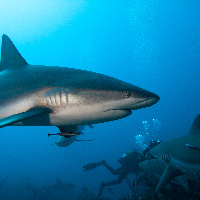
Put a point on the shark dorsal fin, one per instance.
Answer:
(195, 129)
(10, 57)
(58, 180)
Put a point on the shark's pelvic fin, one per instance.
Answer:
(23, 116)
(10, 57)
(170, 172)
(195, 129)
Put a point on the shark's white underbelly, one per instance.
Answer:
(88, 114)
(67, 115)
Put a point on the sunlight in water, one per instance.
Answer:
(39, 18)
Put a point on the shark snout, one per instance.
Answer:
(135, 101)
(152, 99)
(143, 101)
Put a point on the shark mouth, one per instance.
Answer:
(120, 113)
(113, 110)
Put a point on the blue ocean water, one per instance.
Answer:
(151, 44)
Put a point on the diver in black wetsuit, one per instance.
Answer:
(129, 164)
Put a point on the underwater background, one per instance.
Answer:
(154, 44)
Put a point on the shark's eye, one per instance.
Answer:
(127, 94)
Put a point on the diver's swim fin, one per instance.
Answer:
(93, 165)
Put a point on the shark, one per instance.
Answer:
(181, 154)
(58, 186)
(44, 192)
(156, 168)
(37, 95)
(179, 188)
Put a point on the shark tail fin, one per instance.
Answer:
(10, 57)
(195, 129)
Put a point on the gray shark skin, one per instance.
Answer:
(181, 154)
(55, 96)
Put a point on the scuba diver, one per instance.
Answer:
(129, 164)
(146, 151)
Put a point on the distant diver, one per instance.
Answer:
(129, 164)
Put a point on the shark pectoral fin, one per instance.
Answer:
(182, 181)
(170, 172)
(185, 183)
(23, 116)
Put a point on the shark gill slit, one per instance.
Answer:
(166, 157)
(57, 97)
